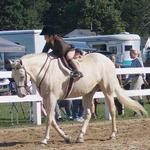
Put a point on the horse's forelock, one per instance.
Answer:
(16, 64)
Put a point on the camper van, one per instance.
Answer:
(30, 39)
(119, 44)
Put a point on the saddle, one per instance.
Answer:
(65, 66)
(78, 55)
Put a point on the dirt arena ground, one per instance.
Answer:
(132, 135)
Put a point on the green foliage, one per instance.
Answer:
(103, 16)
(136, 14)
(24, 108)
(21, 14)
(8, 114)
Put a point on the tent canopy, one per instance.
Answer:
(9, 46)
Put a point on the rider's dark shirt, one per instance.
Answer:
(46, 48)
(60, 47)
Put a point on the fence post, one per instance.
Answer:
(36, 107)
(37, 113)
(107, 114)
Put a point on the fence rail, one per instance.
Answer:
(36, 99)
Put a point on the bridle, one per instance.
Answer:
(25, 85)
(26, 73)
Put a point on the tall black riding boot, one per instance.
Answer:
(75, 73)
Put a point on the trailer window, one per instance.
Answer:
(1, 61)
(128, 47)
(101, 47)
(113, 49)
(148, 55)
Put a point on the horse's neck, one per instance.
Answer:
(34, 65)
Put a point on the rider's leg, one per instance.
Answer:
(72, 62)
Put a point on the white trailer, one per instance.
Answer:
(120, 44)
(31, 39)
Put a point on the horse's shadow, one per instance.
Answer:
(104, 139)
(10, 144)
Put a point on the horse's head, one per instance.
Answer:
(20, 77)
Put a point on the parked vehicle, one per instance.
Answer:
(4, 87)
(119, 44)
(31, 39)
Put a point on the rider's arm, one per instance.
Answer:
(46, 48)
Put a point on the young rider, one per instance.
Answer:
(60, 48)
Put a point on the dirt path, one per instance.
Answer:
(132, 135)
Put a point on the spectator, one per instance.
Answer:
(77, 110)
(147, 64)
(136, 80)
(117, 103)
(67, 104)
(95, 102)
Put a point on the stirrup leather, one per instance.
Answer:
(76, 74)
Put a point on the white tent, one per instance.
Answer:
(8, 46)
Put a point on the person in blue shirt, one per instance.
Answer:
(136, 80)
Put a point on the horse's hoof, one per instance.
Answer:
(68, 139)
(44, 142)
(113, 136)
(80, 140)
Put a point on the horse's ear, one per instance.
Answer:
(10, 61)
(20, 61)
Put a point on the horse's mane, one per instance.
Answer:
(32, 55)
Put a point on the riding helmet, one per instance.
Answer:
(48, 30)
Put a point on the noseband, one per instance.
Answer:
(25, 81)
(40, 81)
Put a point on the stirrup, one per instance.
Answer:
(76, 74)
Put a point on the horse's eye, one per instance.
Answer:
(21, 77)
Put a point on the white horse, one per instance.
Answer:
(51, 82)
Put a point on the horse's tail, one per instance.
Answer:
(128, 102)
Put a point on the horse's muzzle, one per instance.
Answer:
(21, 95)
(21, 92)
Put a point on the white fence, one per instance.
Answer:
(37, 99)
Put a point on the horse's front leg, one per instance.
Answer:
(67, 138)
(87, 104)
(50, 108)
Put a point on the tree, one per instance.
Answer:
(21, 14)
(11, 14)
(105, 17)
(136, 15)
(101, 14)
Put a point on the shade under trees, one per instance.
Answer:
(102, 16)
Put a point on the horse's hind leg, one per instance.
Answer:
(87, 104)
(112, 109)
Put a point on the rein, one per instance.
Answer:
(42, 68)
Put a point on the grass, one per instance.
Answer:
(6, 110)
(15, 114)
(127, 115)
